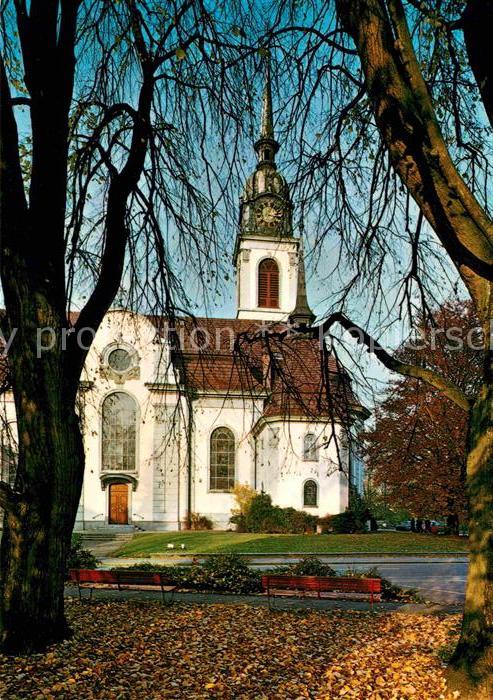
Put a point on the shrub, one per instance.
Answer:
(240, 521)
(343, 523)
(310, 566)
(299, 522)
(389, 591)
(79, 557)
(200, 522)
(263, 516)
(259, 514)
(228, 572)
(353, 520)
(243, 495)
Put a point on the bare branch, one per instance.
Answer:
(448, 388)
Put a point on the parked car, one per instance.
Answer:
(404, 526)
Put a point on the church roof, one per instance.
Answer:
(290, 372)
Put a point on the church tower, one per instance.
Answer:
(270, 272)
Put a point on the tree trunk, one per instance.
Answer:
(37, 532)
(476, 634)
(453, 524)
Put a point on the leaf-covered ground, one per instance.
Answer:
(147, 651)
(210, 542)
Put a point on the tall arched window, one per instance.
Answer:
(268, 284)
(119, 418)
(310, 449)
(310, 494)
(222, 471)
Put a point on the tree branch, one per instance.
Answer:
(122, 184)
(477, 22)
(407, 121)
(448, 388)
(24, 101)
(13, 205)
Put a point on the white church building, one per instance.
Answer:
(175, 414)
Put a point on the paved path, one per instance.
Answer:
(440, 579)
(261, 601)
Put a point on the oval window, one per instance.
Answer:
(119, 360)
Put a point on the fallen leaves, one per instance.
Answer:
(141, 650)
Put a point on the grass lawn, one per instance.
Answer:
(138, 650)
(212, 542)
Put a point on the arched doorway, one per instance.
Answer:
(118, 504)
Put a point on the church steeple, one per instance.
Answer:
(266, 147)
(266, 205)
(266, 251)
(302, 315)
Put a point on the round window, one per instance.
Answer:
(119, 360)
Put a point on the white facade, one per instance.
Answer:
(171, 449)
(172, 466)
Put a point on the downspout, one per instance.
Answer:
(255, 462)
(190, 398)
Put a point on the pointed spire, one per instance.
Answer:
(267, 146)
(301, 315)
(267, 124)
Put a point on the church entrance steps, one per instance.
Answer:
(104, 543)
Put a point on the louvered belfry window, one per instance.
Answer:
(268, 284)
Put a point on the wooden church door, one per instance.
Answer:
(118, 514)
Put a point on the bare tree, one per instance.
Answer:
(390, 106)
(107, 111)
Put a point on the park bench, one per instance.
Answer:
(122, 580)
(322, 587)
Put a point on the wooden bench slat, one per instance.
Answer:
(122, 580)
(322, 586)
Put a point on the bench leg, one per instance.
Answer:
(170, 599)
(81, 597)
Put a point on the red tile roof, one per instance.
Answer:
(292, 372)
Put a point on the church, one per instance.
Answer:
(175, 412)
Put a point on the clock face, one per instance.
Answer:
(269, 213)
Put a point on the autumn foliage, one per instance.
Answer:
(416, 451)
(142, 650)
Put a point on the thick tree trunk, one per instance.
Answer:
(476, 635)
(37, 533)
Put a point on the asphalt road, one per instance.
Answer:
(440, 579)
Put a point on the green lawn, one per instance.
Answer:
(211, 542)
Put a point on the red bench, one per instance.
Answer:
(347, 586)
(121, 580)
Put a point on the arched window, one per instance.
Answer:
(268, 284)
(119, 418)
(310, 494)
(222, 472)
(310, 449)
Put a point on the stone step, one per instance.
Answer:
(95, 537)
